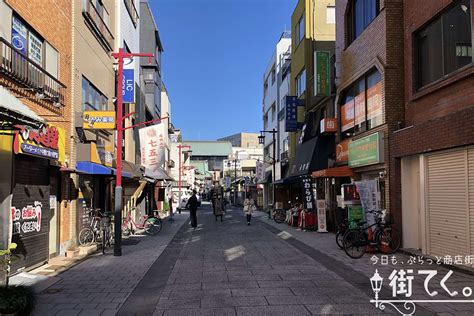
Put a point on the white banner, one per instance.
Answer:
(369, 198)
(227, 182)
(152, 146)
(260, 172)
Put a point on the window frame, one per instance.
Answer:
(299, 36)
(298, 81)
(92, 92)
(351, 20)
(416, 75)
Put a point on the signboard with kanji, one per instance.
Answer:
(308, 194)
(152, 146)
(46, 142)
(322, 69)
(291, 110)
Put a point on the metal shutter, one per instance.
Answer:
(447, 203)
(470, 164)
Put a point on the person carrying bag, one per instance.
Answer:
(249, 208)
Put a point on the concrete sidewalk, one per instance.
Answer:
(100, 284)
(326, 243)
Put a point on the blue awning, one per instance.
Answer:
(93, 168)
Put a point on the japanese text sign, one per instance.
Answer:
(323, 73)
(47, 142)
(128, 81)
(152, 146)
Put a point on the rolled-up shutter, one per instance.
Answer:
(470, 167)
(447, 203)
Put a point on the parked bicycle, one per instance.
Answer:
(91, 234)
(341, 231)
(150, 224)
(106, 229)
(383, 237)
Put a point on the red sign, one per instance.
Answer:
(347, 116)
(342, 151)
(48, 136)
(328, 125)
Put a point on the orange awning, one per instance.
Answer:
(336, 172)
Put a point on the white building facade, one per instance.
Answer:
(276, 87)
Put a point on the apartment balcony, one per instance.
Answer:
(29, 75)
(97, 25)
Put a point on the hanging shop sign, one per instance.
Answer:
(260, 170)
(322, 223)
(227, 182)
(366, 151)
(342, 151)
(46, 142)
(98, 120)
(328, 125)
(128, 81)
(27, 219)
(152, 145)
(308, 197)
(322, 69)
(291, 119)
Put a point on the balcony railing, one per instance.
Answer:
(97, 24)
(28, 74)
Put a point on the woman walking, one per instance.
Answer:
(249, 207)
(219, 209)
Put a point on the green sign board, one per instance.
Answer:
(322, 70)
(355, 214)
(365, 151)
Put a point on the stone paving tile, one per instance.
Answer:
(180, 295)
(261, 292)
(300, 284)
(230, 285)
(92, 312)
(293, 310)
(200, 312)
(67, 312)
(233, 301)
(299, 300)
(258, 277)
(168, 303)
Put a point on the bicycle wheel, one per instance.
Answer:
(152, 225)
(340, 238)
(126, 228)
(279, 217)
(389, 240)
(104, 239)
(86, 237)
(355, 243)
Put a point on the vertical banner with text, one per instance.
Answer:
(152, 146)
(128, 82)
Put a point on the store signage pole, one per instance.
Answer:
(120, 56)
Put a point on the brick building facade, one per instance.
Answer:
(432, 158)
(35, 80)
(369, 80)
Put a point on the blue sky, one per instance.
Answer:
(215, 54)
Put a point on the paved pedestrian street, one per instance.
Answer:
(230, 268)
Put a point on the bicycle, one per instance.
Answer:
(150, 224)
(279, 215)
(341, 231)
(91, 234)
(106, 229)
(384, 237)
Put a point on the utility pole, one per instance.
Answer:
(261, 140)
(180, 170)
(120, 56)
(235, 179)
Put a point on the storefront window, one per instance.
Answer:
(361, 106)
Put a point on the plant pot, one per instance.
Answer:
(72, 253)
(16, 300)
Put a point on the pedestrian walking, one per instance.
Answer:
(249, 208)
(219, 209)
(192, 205)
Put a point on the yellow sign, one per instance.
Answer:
(104, 155)
(46, 142)
(98, 120)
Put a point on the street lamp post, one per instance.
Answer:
(235, 179)
(261, 140)
(180, 170)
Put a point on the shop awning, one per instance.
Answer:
(157, 174)
(287, 180)
(336, 172)
(12, 107)
(93, 168)
(132, 169)
(311, 155)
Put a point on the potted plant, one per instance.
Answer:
(72, 251)
(16, 299)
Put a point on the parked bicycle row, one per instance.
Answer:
(100, 228)
(355, 237)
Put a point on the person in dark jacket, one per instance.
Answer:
(192, 205)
